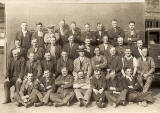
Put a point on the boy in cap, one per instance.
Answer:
(82, 89)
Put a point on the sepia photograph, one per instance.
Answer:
(79, 56)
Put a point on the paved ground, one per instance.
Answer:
(132, 108)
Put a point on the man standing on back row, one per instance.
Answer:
(24, 36)
(115, 32)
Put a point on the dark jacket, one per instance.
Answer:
(15, 68)
(98, 83)
(36, 68)
(99, 38)
(72, 52)
(39, 39)
(39, 54)
(22, 53)
(25, 41)
(61, 63)
(49, 65)
(89, 35)
(58, 50)
(114, 35)
(76, 35)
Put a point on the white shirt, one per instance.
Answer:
(53, 50)
(144, 58)
(105, 46)
(24, 32)
(129, 77)
(140, 51)
(100, 33)
(81, 59)
(135, 62)
(40, 33)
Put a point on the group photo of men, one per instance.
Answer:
(60, 67)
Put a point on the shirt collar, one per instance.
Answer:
(128, 57)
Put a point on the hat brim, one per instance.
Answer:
(50, 27)
(80, 50)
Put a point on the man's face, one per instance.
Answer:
(34, 43)
(131, 26)
(47, 56)
(64, 55)
(128, 72)
(47, 73)
(50, 30)
(87, 42)
(24, 26)
(128, 52)
(52, 40)
(64, 72)
(97, 74)
(39, 27)
(30, 77)
(114, 24)
(31, 57)
(144, 52)
(61, 23)
(139, 43)
(73, 26)
(81, 53)
(17, 43)
(112, 51)
(97, 51)
(87, 28)
(99, 27)
(105, 39)
(71, 39)
(120, 41)
(80, 75)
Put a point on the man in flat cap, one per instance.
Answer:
(82, 63)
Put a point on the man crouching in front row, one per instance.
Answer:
(28, 93)
(82, 89)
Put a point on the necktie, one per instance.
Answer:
(81, 64)
(31, 67)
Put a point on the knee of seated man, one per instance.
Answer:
(150, 78)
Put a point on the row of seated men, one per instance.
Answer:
(77, 74)
(57, 72)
